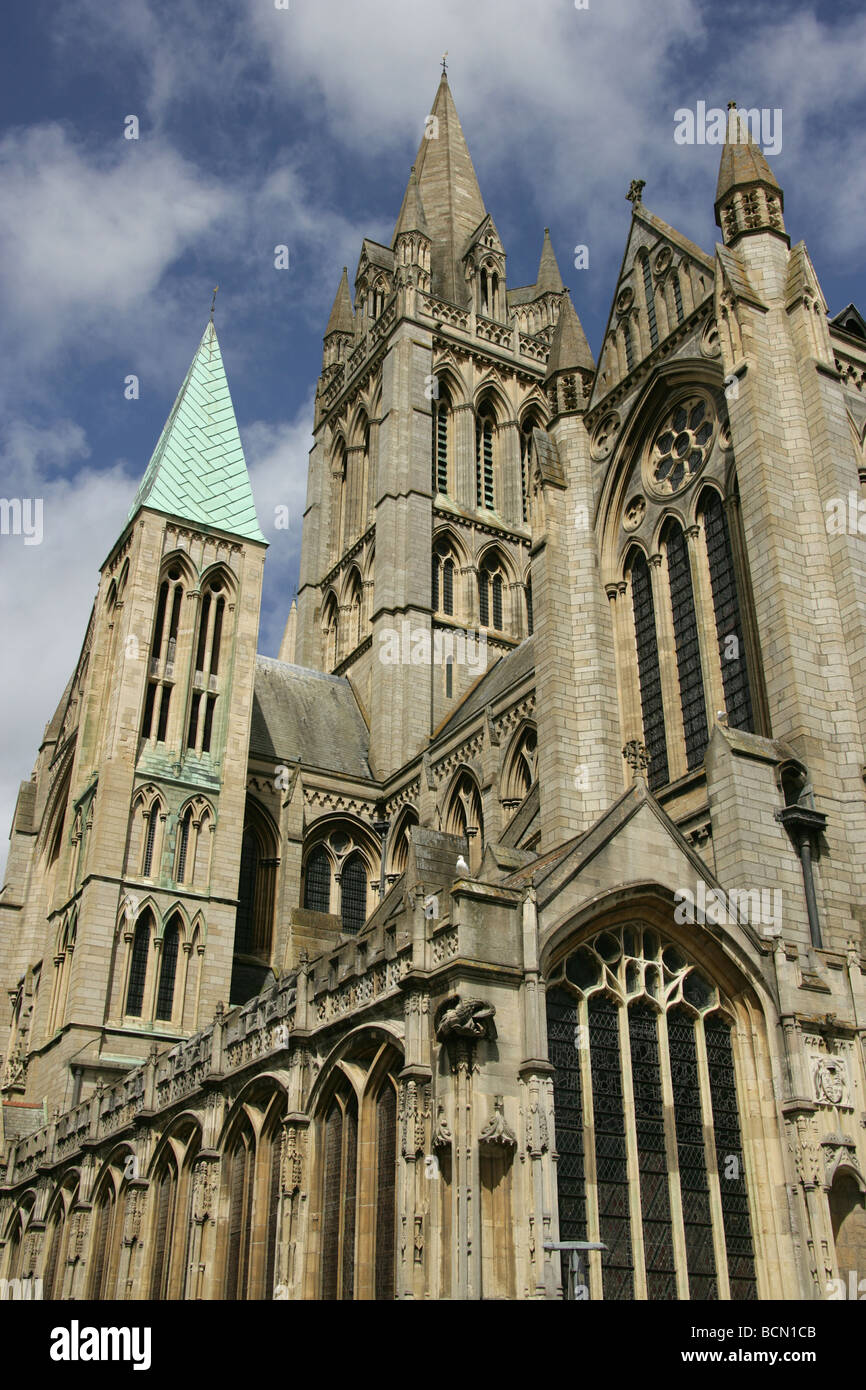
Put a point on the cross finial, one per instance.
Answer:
(445, 62)
(213, 302)
(635, 190)
(637, 757)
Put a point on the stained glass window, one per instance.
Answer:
(732, 648)
(610, 1150)
(386, 1171)
(694, 1188)
(650, 302)
(729, 1160)
(167, 971)
(607, 996)
(353, 881)
(687, 647)
(317, 885)
(661, 1275)
(649, 674)
(563, 1038)
(138, 967)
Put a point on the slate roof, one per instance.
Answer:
(307, 715)
(198, 471)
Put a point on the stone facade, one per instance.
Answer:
(520, 904)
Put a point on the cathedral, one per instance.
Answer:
(505, 937)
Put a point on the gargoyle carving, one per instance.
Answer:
(470, 1018)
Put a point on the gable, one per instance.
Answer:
(680, 277)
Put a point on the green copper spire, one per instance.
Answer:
(197, 471)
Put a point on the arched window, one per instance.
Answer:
(165, 1205)
(183, 839)
(521, 768)
(163, 652)
(649, 300)
(653, 1056)
(649, 673)
(400, 850)
(353, 894)
(339, 1196)
(208, 650)
(272, 1234)
(678, 298)
(62, 973)
(464, 817)
(147, 820)
(628, 344)
(386, 1189)
(255, 913)
(527, 459)
(317, 881)
(138, 965)
(491, 586)
(485, 431)
(168, 970)
(726, 605)
(241, 1166)
(441, 412)
(530, 617)
(443, 565)
(355, 599)
(687, 644)
(331, 632)
(102, 1242)
(339, 482)
(52, 1286)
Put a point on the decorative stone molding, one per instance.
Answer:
(496, 1132)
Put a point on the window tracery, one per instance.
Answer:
(637, 1028)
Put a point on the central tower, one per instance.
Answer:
(415, 565)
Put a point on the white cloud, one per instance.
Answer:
(86, 238)
(277, 456)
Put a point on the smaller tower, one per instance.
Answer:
(748, 197)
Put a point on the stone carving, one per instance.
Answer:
(804, 1146)
(636, 755)
(496, 1132)
(634, 513)
(537, 1132)
(291, 1161)
(414, 1113)
(133, 1215)
(830, 1078)
(203, 1191)
(470, 1018)
(605, 434)
(442, 1136)
(710, 343)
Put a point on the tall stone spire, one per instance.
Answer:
(449, 193)
(342, 318)
(748, 196)
(548, 278)
(197, 471)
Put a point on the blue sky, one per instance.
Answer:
(261, 126)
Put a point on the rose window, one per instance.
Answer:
(682, 446)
